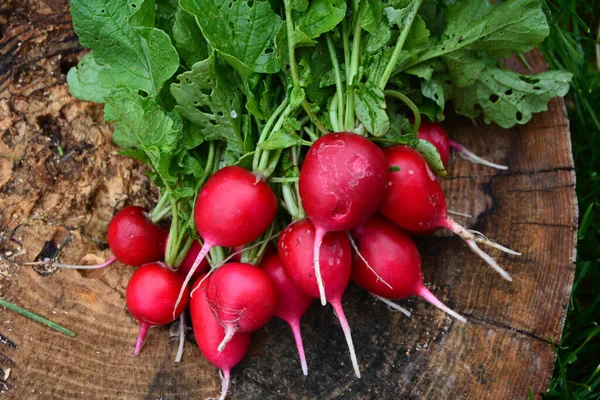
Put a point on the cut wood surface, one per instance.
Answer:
(61, 180)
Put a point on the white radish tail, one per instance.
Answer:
(337, 307)
(470, 156)
(144, 326)
(391, 304)
(203, 252)
(319, 234)
(295, 326)
(430, 297)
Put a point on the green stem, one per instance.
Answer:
(217, 255)
(264, 158)
(349, 123)
(313, 136)
(264, 134)
(208, 167)
(159, 216)
(294, 66)
(171, 253)
(290, 201)
(338, 82)
(346, 40)
(158, 212)
(277, 179)
(36, 317)
(333, 113)
(272, 164)
(389, 68)
(183, 251)
(410, 104)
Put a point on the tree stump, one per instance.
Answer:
(61, 180)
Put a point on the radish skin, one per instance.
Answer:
(134, 239)
(151, 295)
(395, 257)
(414, 201)
(233, 208)
(293, 302)
(341, 184)
(295, 249)
(242, 297)
(209, 333)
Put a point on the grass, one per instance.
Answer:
(573, 45)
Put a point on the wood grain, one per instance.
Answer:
(49, 197)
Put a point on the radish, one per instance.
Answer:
(151, 295)
(415, 202)
(233, 208)
(242, 297)
(341, 184)
(188, 261)
(209, 333)
(436, 135)
(389, 255)
(295, 248)
(293, 302)
(134, 239)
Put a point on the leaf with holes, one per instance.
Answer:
(370, 109)
(508, 98)
(139, 58)
(243, 32)
(209, 98)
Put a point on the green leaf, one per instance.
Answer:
(464, 67)
(514, 26)
(143, 125)
(296, 97)
(242, 31)
(281, 139)
(322, 16)
(372, 17)
(139, 58)
(370, 109)
(429, 151)
(189, 41)
(379, 38)
(299, 5)
(508, 98)
(434, 90)
(83, 80)
(165, 15)
(145, 14)
(207, 96)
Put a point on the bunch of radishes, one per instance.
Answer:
(361, 204)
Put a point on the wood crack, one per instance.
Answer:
(505, 327)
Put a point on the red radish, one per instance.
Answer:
(151, 295)
(293, 302)
(209, 333)
(392, 257)
(436, 135)
(233, 208)
(342, 182)
(295, 248)
(242, 297)
(134, 239)
(415, 202)
(237, 253)
(188, 261)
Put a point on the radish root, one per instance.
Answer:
(229, 332)
(430, 297)
(379, 278)
(466, 235)
(203, 252)
(337, 307)
(49, 262)
(391, 304)
(319, 234)
(225, 384)
(295, 325)
(489, 260)
(181, 338)
(144, 326)
(474, 158)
